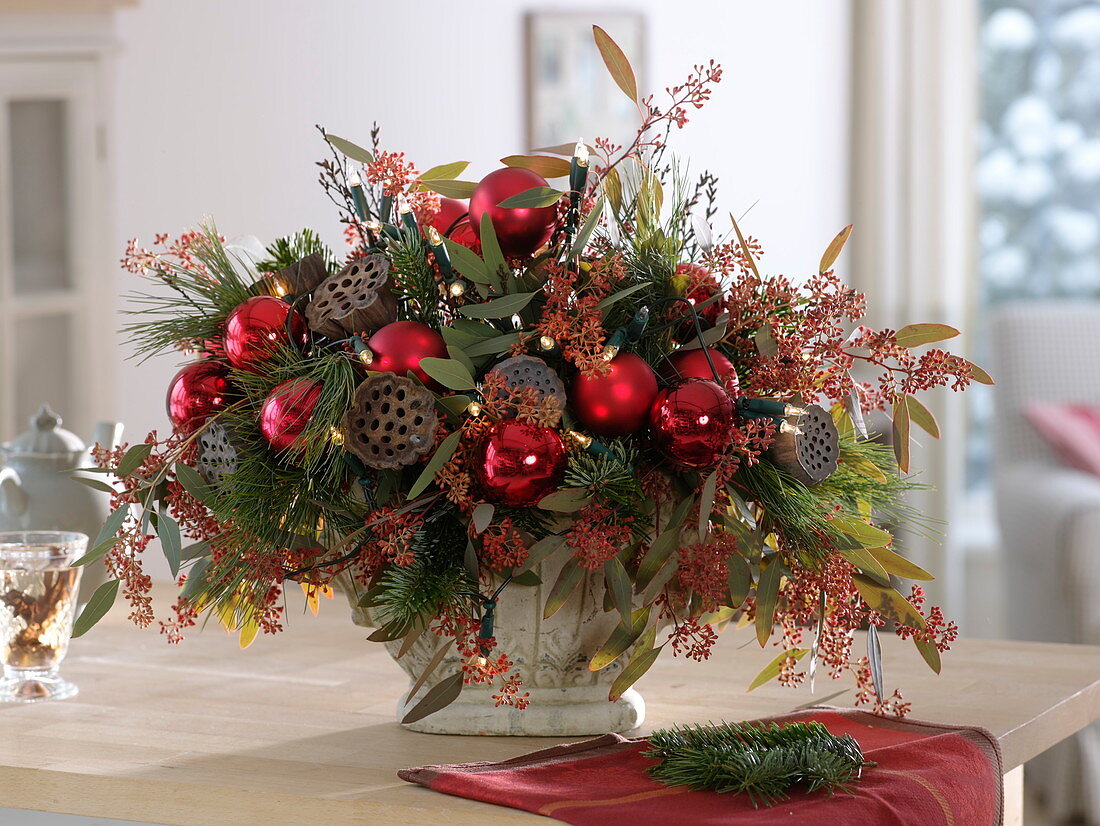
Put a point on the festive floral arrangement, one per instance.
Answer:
(588, 369)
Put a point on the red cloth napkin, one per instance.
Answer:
(927, 774)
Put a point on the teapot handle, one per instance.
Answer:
(13, 499)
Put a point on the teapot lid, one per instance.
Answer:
(46, 436)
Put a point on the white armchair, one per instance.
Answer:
(1049, 515)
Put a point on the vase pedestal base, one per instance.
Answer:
(554, 712)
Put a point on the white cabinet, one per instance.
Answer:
(57, 271)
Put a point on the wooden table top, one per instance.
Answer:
(299, 727)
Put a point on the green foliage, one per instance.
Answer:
(613, 478)
(436, 581)
(290, 249)
(761, 761)
(414, 277)
(200, 297)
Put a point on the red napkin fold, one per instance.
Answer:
(927, 774)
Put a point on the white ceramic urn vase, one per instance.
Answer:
(551, 655)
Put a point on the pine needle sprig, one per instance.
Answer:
(763, 762)
(290, 249)
(415, 278)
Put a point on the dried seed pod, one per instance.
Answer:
(529, 371)
(296, 280)
(356, 299)
(216, 456)
(391, 422)
(811, 453)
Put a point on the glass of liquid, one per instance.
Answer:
(38, 593)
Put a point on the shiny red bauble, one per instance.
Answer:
(518, 463)
(617, 402)
(196, 393)
(287, 410)
(692, 423)
(255, 327)
(398, 348)
(453, 221)
(519, 231)
(692, 364)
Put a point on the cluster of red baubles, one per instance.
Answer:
(690, 421)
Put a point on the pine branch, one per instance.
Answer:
(417, 285)
(761, 761)
(290, 249)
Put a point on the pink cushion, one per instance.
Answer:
(1073, 430)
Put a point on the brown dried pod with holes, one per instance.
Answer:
(296, 280)
(357, 299)
(216, 455)
(810, 455)
(529, 371)
(392, 421)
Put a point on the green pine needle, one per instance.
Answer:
(758, 760)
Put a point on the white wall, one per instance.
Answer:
(216, 102)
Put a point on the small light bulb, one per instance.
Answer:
(792, 410)
(366, 357)
(433, 236)
(278, 287)
(580, 152)
(456, 288)
(336, 435)
(353, 179)
(482, 662)
(374, 225)
(787, 427)
(403, 207)
(547, 343)
(474, 409)
(517, 322)
(581, 439)
(609, 352)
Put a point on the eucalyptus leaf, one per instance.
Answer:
(442, 455)
(829, 257)
(451, 189)
(432, 665)
(874, 659)
(540, 551)
(772, 669)
(502, 307)
(587, 228)
(351, 150)
(740, 579)
(568, 579)
(540, 164)
(444, 172)
(568, 500)
(439, 696)
(98, 605)
(482, 516)
(192, 482)
(624, 636)
(639, 664)
(767, 595)
(914, 335)
(493, 346)
(95, 484)
(617, 63)
(451, 373)
(171, 542)
(621, 294)
(468, 263)
(619, 586)
(534, 198)
(133, 458)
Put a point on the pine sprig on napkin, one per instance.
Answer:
(761, 761)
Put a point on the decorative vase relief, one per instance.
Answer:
(551, 655)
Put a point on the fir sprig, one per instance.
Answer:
(761, 761)
(291, 249)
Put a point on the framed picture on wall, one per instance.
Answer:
(569, 92)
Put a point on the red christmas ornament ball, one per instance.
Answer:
(287, 410)
(617, 402)
(692, 364)
(257, 326)
(453, 221)
(196, 393)
(692, 423)
(399, 346)
(519, 463)
(520, 231)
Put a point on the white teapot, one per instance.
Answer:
(37, 491)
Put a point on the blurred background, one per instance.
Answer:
(959, 136)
